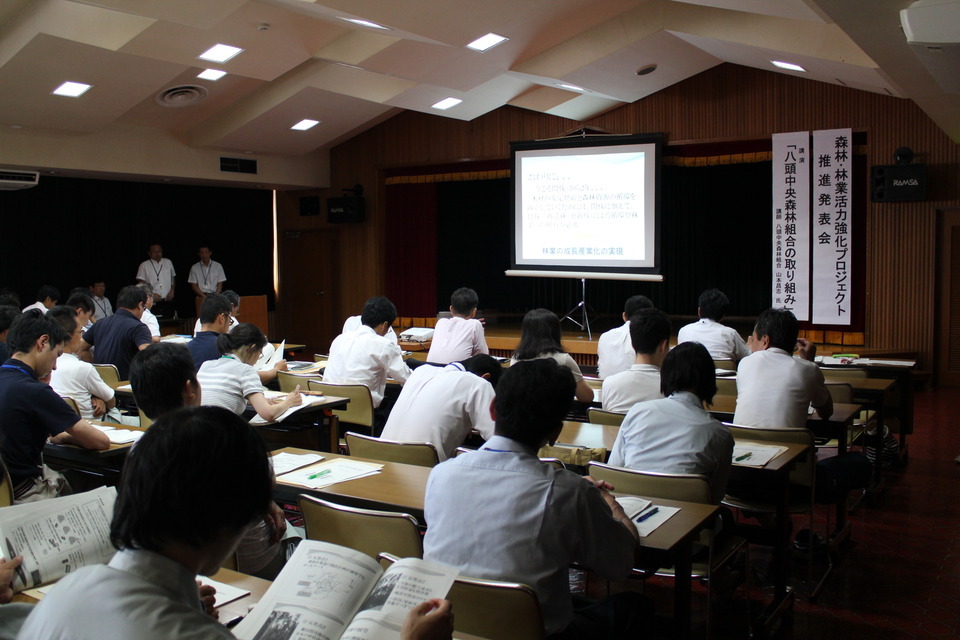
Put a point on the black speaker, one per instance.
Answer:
(898, 182)
(310, 206)
(346, 209)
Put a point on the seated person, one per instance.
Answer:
(8, 313)
(354, 322)
(461, 335)
(234, 301)
(774, 388)
(81, 301)
(214, 319)
(501, 513)
(31, 412)
(614, 349)
(117, 338)
(650, 336)
(723, 342)
(231, 382)
(98, 291)
(152, 322)
(365, 356)
(47, 298)
(441, 405)
(540, 338)
(674, 434)
(73, 378)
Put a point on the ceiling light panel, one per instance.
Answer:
(446, 103)
(71, 89)
(305, 124)
(487, 42)
(220, 53)
(211, 74)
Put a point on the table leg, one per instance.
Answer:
(682, 587)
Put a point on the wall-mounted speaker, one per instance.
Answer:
(898, 182)
(346, 209)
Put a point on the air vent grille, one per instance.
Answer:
(238, 165)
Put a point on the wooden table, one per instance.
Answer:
(588, 434)
(328, 420)
(107, 463)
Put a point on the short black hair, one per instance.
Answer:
(243, 335)
(212, 306)
(713, 304)
(483, 363)
(378, 310)
(689, 367)
(464, 300)
(27, 329)
(131, 296)
(10, 298)
(648, 328)
(157, 374)
(81, 300)
(539, 335)
(66, 316)
(157, 502)
(232, 296)
(8, 313)
(147, 289)
(782, 327)
(533, 397)
(48, 291)
(635, 304)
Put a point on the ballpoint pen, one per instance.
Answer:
(318, 474)
(743, 457)
(649, 513)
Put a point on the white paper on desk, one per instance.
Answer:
(286, 462)
(119, 436)
(888, 363)
(725, 373)
(650, 525)
(125, 387)
(341, 470)
(760, 454)
(270, 360)
(305, 401)
(225, 592)
(176, 339)
(632, 505)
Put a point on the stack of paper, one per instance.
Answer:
(119, 436)
(645, 515)
(287, 462)
(277, 396)
(331, 472)
(753, 454)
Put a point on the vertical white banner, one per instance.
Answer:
(832, 226)
(791, 223)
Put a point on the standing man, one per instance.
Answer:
(206, 276)
(98, 291)
(119, 337)
(159, 273)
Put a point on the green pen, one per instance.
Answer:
(318, 474)
(743, 457)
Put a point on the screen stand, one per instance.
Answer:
(584, 322)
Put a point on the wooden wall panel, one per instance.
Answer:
(727, 102)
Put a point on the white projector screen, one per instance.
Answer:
(587, 207)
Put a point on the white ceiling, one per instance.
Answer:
(301, 60)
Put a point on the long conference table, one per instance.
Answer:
(401, 487)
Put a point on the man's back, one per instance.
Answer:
(363, 357)
(639, 383)
(615, 351)
(456, 339)
(723, 342)
(117, 339)
(774, 389)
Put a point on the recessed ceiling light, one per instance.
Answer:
(71, 89)
(446, 103)
(487, 42)
(211, 74)
(305, 124)
(787, 65)
(219, 53)
(571, 87)
(366, 23)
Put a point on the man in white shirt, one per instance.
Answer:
(461, 335)
(723, 342)
(159, 273)
(441, 405)
(614, 350)
(148, 318)
(353, 323)
(650, 338)
(47, 298)
(364, 356)
(206, 276)
(103, 308)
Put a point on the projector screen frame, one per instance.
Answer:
(593, 272)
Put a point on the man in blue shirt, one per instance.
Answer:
(214, 320)
(117, 338)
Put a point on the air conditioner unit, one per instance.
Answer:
(932, 28)
(11, 179)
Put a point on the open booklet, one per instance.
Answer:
(306, 399)
(327, 592)
(270, 356)
(57, 537)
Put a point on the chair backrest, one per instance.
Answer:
(72, 404)
(360, 409)
(422, 454)
(803, 473)
(599, 416)
(727, 387)
(725, 363)
(688, 487)
(840, 392)
(370, 532)
(6, 487)
(492, 609)
(289, 381)
(144, 420)
(109, 374)
(844, 374)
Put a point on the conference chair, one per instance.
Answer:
(599, 416)
(359, 411)
(422, 454)
(725, 363)
(109, 374)
(491, 609)
(72, 404)
(289, 381)
(6, 487)
(368, 531)
(144, 420)
(719, 550)
(727, 387)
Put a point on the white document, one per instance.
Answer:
(270, 356)
(176, 339)
(331, 472)
(323, 587)
(57, 537)
(128, 388)
(225, 592)
(651, 523)
(286, 462)
(632, 505)
(119, 436)
(752, 454)
(305, 401)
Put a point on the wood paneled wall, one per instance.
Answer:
(724, 103)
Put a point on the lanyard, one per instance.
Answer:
(207, 273)
(20, 369)
(103, 307)
(156, 270)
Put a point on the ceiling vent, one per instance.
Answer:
(238, 165)
(11, 180)
(183, 96)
